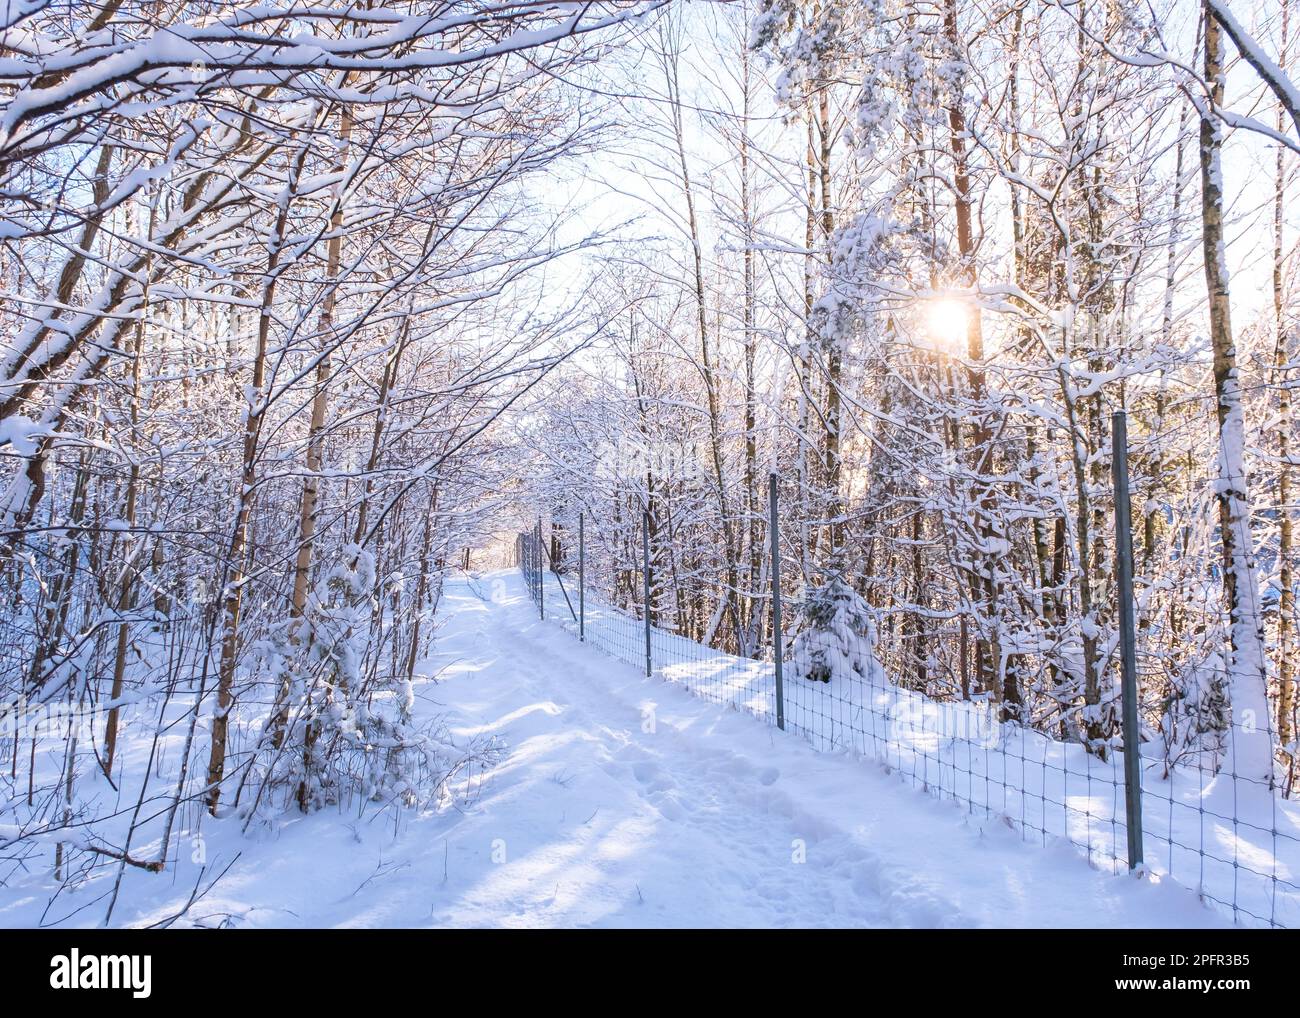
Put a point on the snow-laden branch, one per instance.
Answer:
(1270, 73)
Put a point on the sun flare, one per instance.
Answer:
(946, 322)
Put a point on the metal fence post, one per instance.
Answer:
(645, 575)
(541, 610)
(777, 648)
(582, 576)
(1127, 637)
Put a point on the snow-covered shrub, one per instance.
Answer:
(345, 731)
(837, 637)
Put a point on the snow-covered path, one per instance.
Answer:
(625, 801)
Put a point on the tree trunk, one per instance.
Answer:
(236, 577)
(1251, 749)
(316, 437)
(1286, 628)
(126, 598)
(983, 579)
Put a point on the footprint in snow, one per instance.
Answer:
(645, 771)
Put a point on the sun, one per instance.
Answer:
(946, 322)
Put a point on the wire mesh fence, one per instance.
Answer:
(1206, 823)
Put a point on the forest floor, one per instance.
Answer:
(625, 801)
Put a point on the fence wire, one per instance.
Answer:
(1223, 833)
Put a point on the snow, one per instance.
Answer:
(626, 801)
(1225, 836)
(20, 434)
